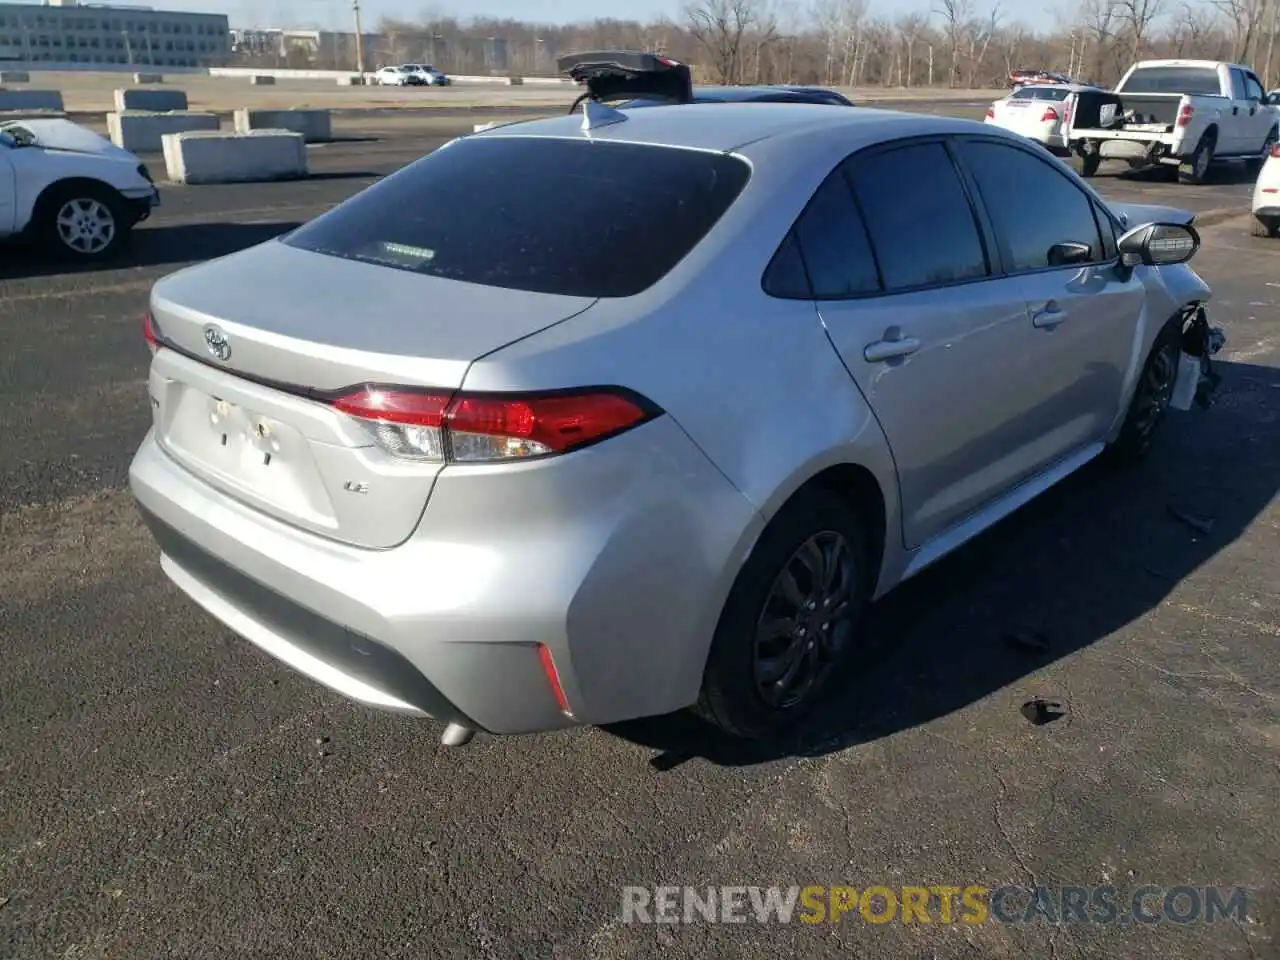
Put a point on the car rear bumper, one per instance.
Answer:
(1267, 211)
(619, 570)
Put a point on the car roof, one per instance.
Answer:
(732, 94)
(735, 125)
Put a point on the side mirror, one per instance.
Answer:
(1066, 254)
(1158, 244)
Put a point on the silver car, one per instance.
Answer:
(610, 415)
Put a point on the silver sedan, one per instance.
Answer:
(609, 415)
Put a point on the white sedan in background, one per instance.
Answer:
(72, 191)
(1266, 197)
(1036, 111)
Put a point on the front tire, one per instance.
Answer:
(1150, 401)
(1266, 227)
(82, 223)
(791, 619)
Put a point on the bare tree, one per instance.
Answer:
(1137, 16)
(957, 16)
(721, 28)
(1245, 17)
(910, 28)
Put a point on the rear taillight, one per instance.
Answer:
(480, 428)
(991, 113)
(1185, 114)
(1049, 114)
(149, 332)
(1275, 150)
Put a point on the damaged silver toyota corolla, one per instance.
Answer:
(608, 415)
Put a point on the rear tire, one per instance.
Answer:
(1196, 169)
(1265, 227)
(791, 619)
(82, 222)
(1089, 164)
(1150, 400)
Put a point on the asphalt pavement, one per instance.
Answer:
(167, 791)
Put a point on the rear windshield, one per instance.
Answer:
(1041, 93)
(575, 217)
(1198, 81)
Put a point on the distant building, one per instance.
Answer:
(64, 31)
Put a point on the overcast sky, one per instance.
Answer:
(336, 14)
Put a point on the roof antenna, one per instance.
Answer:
(596, 114)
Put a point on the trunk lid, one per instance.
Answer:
(261, 339)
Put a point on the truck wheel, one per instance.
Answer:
(1195, 170)
(84, 222)
(1254, 164)
(1266, 227)
(1089, 164)
(791, 621)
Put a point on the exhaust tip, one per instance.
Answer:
(456, 735)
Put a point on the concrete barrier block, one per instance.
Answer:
(313, 124)
(196, 158)
(152, 101)
(7, 115)
(355, 80)
(262, 80)
(148, 78)
(14, 76)
(142, 132)
(31, 100)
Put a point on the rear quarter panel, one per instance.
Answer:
(752, 380)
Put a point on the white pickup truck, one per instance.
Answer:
(1184, 113)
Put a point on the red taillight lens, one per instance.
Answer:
(1275, 150)
(990, 113)
(553, 679)
(1185, 114)
(149, 332)
(479, 428)
(1049, 114)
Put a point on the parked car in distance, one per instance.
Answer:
(70, 190)
(1184, 113)
(1266, 197)
(1036, 112)
(1019, 78)
(765, 93)
(629, 79)
(428, 74)
(654, 434)
(397, 77)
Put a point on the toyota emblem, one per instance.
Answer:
(217, 343)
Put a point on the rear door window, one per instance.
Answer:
(572, 217)
(918, 215)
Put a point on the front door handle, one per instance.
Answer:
(1048, 316)
(883, 350)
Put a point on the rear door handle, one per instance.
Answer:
(883, 350)
(1048, 316)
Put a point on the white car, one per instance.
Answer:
(72, 191)
(1266, 197)
(1036, 111)
(428, 74)
(393, 77)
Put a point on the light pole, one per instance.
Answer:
(355, 6)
